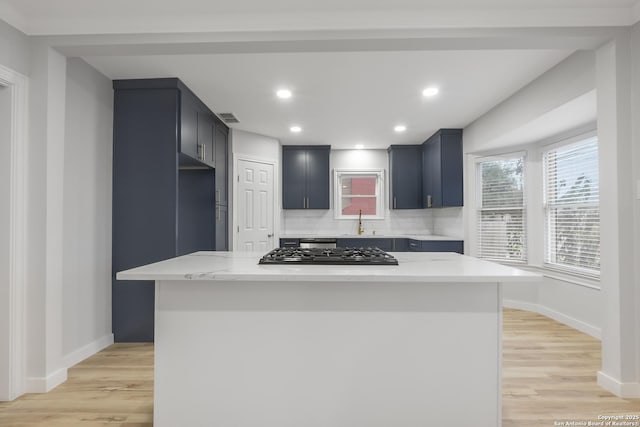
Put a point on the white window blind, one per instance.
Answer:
(572, 207)
(501, 209)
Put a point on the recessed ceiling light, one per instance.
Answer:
(283, 93)
(400, 128)
(295, 129)
(430, 91)
(359, 146)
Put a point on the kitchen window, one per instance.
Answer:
(572, 207)
(501, 210)
(358, 191)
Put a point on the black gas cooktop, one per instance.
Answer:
(333, 256)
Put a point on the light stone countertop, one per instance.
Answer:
(370, 236)
(422, 267)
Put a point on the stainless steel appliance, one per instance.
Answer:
(318, 243)
(331, 256)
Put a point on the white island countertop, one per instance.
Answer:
(367, 235)
(435, 267)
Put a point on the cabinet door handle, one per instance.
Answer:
(204, 152)
(270, 235)
(217, 213)
(217, 196)
(200, 151)
(304, 203)
(429, 201)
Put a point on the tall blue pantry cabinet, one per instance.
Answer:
(169, 189)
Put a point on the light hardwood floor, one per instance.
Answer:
(549, 374)
(112, 388)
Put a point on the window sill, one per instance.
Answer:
(355, 218)
(564, 276)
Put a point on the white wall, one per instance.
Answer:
(322, 223)
(68, 224)
(635, 108)
(5, 214)
(256, 146)
(14, 55)
(14, 49)
(617, 218)
(87, 212)
(13, 147)
(45, 218)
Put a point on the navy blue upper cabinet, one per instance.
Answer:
(188, 141)
(405, 170)
(205, 150)
(305, 176)
(294, 177)
(442, 169)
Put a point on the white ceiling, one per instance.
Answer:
(346, 98)
(341, 98)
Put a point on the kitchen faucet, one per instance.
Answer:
(360, 227)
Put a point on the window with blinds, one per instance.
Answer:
(572, 207)
(501, 209)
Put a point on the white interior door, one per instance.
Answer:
(255, 206)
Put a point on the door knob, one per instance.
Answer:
(269, 235)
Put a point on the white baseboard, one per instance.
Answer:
(88, 350)
(555, 315)
(46, 384)
(620, 389)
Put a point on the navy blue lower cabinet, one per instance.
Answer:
(414, 245)
(401, 245)
(443, 246)
(435, 246)
(366, 242)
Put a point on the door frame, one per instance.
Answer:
(276, 196)
(17, 84)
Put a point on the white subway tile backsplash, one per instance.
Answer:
(449, 222)
(322, 222)
(442, 222)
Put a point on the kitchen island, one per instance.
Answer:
(247, 345)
